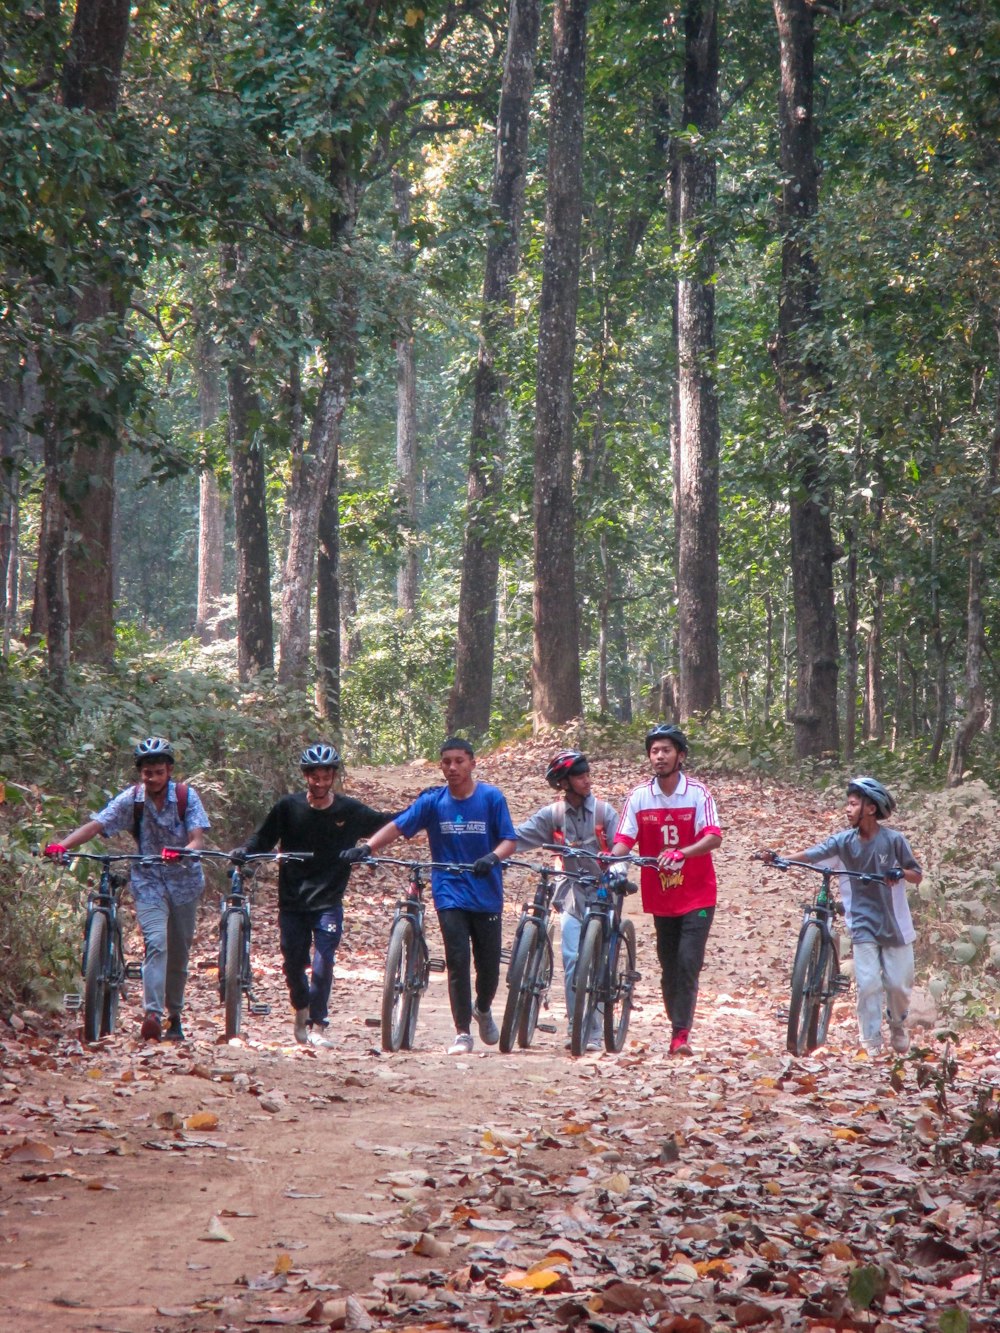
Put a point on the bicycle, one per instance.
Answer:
(816, 976)
(605, 971)
(529, 974)
(103, 964)
(235, 967)
(408, 963)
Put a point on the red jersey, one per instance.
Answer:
(653, 822)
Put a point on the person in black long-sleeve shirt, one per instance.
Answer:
(311, 893)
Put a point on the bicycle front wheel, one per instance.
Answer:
(536, 985)
(828, 991)
(588, 981)
(95, 976)
(396, 994)
(807, 982)
(621, 973)
(113, 987)
(516, 979)
(235, 940)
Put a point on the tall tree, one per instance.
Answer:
(555, 658)
(801, 385)
(697, 516)
(472, 690)
(210, 508)
(406, 407)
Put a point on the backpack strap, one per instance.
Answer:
(139, 805)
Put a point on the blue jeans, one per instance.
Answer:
(320, 931)
(570, 930)
(167, 932)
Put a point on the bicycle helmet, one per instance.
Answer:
(153, 750)
(319, 756)
(872, 790)
(666, 731)
(566, 764)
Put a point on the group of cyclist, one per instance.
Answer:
(670, 818)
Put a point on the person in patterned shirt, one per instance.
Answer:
(673, 818)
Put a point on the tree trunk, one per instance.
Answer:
(555, 665)
(254, 628)
(851, 646)
(801, 383)
(10, 504)
(211, 511)
(698, 480)
(472, 690)
(52, 595)
(406, 409)
(328, 604)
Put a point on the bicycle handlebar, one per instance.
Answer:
(537, 869)
(783, 863)
(108, 857)
(603, 858)
(250, 858)
(409, 865)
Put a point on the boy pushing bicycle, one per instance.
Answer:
(877, 915)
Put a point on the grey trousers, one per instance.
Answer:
(884, 978)
(167, 931)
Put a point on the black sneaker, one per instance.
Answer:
(174, 1031)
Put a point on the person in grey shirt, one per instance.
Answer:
(579, 820)
(877, 915)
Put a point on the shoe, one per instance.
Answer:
(679, 1043)
(318, 1037)
(873, 1049)
(151, 1030)
(899, 1037)
(302, 1026)
(488, 1030)
(595, 1044)
(174, 1030)
(462, 1045)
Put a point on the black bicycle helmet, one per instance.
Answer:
(666, 731)
(872, 790)
(319, 756)
(566, 764)
(153, 750)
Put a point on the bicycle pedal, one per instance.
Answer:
(843, 985)
(73, 1002)
(133, 971)
(373, 1022)
(436, 964)
(547, 1027)
(782, 1015)
(633, 976)
(505, 955)
(260, 1010)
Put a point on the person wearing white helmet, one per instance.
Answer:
(877, 915)
(160, 814)
(311, 893)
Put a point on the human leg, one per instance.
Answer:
(897, 981)
(868, 980)
(455, 931)
(668, 937)
(152, 916)
(327, 931)
(295, 933)
(569, 944)
(689, 960)
(181, 921)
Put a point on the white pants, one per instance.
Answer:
(883, 975)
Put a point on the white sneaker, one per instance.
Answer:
(317, 1037)
(302, 1026)
(488, 1030)
(873, 1049)
(900, 1038)
(462, 1045)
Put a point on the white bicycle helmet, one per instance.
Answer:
(154, 749)
(319, 755)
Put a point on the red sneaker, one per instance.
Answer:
(679, 1043)
(150, 1030)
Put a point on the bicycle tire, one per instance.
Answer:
(536, 984)
(621, 973)
(588, 981)
(807, 972)
(512, 1012)
(113, 990)
(396, 995)
(95, 976)
(417, 976)
(234, 974)
(824, 1008)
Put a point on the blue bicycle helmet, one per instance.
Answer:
(153, 750)
(319, 755)
(872, 790)
(666, 731)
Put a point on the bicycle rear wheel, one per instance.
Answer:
(536, 985)
(95, 976)
(396, 995)
(235, 940)
(516, 978)
(588, 981)
(807, 980)
(621, 973)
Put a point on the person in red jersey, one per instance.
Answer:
(673, 818)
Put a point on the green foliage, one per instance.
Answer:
(39, 926)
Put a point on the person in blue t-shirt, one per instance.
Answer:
(467, 824)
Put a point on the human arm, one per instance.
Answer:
(267, 836)
(382, 837)
(77, 838)
(536, 829)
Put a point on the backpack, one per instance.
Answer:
(559, 835)
(139, 805)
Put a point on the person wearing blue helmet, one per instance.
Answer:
(323, 822)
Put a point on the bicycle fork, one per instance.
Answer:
(254, 1006)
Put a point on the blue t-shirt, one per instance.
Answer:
(461, 832)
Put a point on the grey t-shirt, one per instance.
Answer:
(579, 828)
(875, 912)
